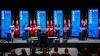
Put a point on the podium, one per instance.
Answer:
(43, 38)
(8, 37)
(83, 36)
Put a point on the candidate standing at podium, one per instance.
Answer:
(57, 30)
(26, 29)
(12, 30)
(38, 30)
(84, 30)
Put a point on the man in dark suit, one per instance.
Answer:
(38, 29)
(57, 28)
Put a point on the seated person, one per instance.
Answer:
(33, 52)
(55, 52)
(98, 51)
(1, 53)
(85, 52)
(66, 53)
(44, 52)
(12, 53)
(23, 53)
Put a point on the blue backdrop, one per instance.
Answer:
(58, 17)
(5, 22)
(23, 16)
(93, 23)
(41, 18)
(75, 22)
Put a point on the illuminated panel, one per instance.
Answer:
(24, 16)
(58, 18)
(5, 22)
(75, 22)
(93, 23)
(41, 19)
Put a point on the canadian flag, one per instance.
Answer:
(99, 26)
(47, 25)
(34, 25)
(31, 31)
(65, 25)
(51, 27)
(17, 27)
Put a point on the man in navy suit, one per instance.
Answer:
(57, 29)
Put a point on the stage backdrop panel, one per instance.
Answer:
(23, 16)
(58, 18)
(93, 23)
(5, 22)
(75, 22)
(41, 19)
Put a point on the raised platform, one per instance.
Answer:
(74, 42)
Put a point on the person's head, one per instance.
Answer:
(66, 50)
(45, 50)
(13, 51)
(98, 50)
(85, 50)
(56, 49)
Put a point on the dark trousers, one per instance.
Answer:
(38, 33)
(26, 34)
(65, 35)
(99, 36)
(68, 34)
(57, 33)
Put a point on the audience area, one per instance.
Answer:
(79, 51)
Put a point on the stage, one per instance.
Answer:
(73, 42)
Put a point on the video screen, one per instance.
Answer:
(5, 22)
(41, 19)
(24, 19)
(93, 23)
(75, 22)
(58, 19)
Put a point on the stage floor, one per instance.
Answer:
(73, 40)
